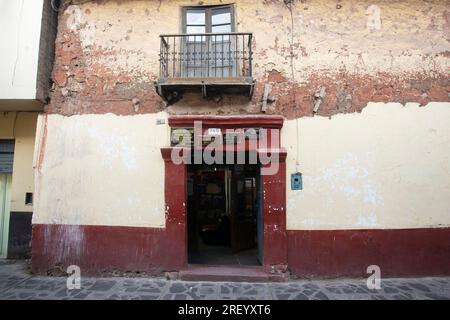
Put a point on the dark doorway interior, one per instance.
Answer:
(223, 214)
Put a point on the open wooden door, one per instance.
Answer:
(242, 226)
(259, 220)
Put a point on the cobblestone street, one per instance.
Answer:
(17, 283)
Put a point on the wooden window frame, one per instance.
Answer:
(208, 16)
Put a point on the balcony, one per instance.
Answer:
(209, 63)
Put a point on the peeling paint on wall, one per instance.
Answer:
(107, 55)
(107, 59)
(373, 13)
(102, 170)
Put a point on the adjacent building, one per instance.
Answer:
(27, 30)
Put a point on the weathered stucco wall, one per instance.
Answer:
(21, 127)
(100, 170)
(387, 167)
(361, 51)
(354, 165)
(365, 164)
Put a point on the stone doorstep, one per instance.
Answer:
(223, 273)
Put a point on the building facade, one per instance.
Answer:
(349, 101)
(27, 30)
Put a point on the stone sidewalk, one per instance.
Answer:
(17, 283)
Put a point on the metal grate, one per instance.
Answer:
(6, 156)
(206, 55)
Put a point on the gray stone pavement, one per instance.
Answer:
(17, 283)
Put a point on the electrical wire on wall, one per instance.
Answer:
(18, 44)
(289, 4)
(16, 115)
(297, 147)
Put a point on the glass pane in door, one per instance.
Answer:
(221, 16)
(193, 47)
(222, 49)
(195, 17)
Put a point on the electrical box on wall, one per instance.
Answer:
(296, 181)
(29, 198)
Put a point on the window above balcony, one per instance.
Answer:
(208, 57)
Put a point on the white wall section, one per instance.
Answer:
(386, 167)
(100, 170)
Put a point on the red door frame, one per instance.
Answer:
(273, 188)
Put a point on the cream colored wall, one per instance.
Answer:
(387, 167)
(383, 168)
(21, 127)
(100, 170)
(7, 125)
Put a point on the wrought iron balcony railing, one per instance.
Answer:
(209, 60)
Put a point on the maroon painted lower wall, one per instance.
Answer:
(399, 253)
(100, 249)
(335, 253)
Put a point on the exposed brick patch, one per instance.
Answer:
(276, 76)
(46, 51)
(85, 83)
(346, 93)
